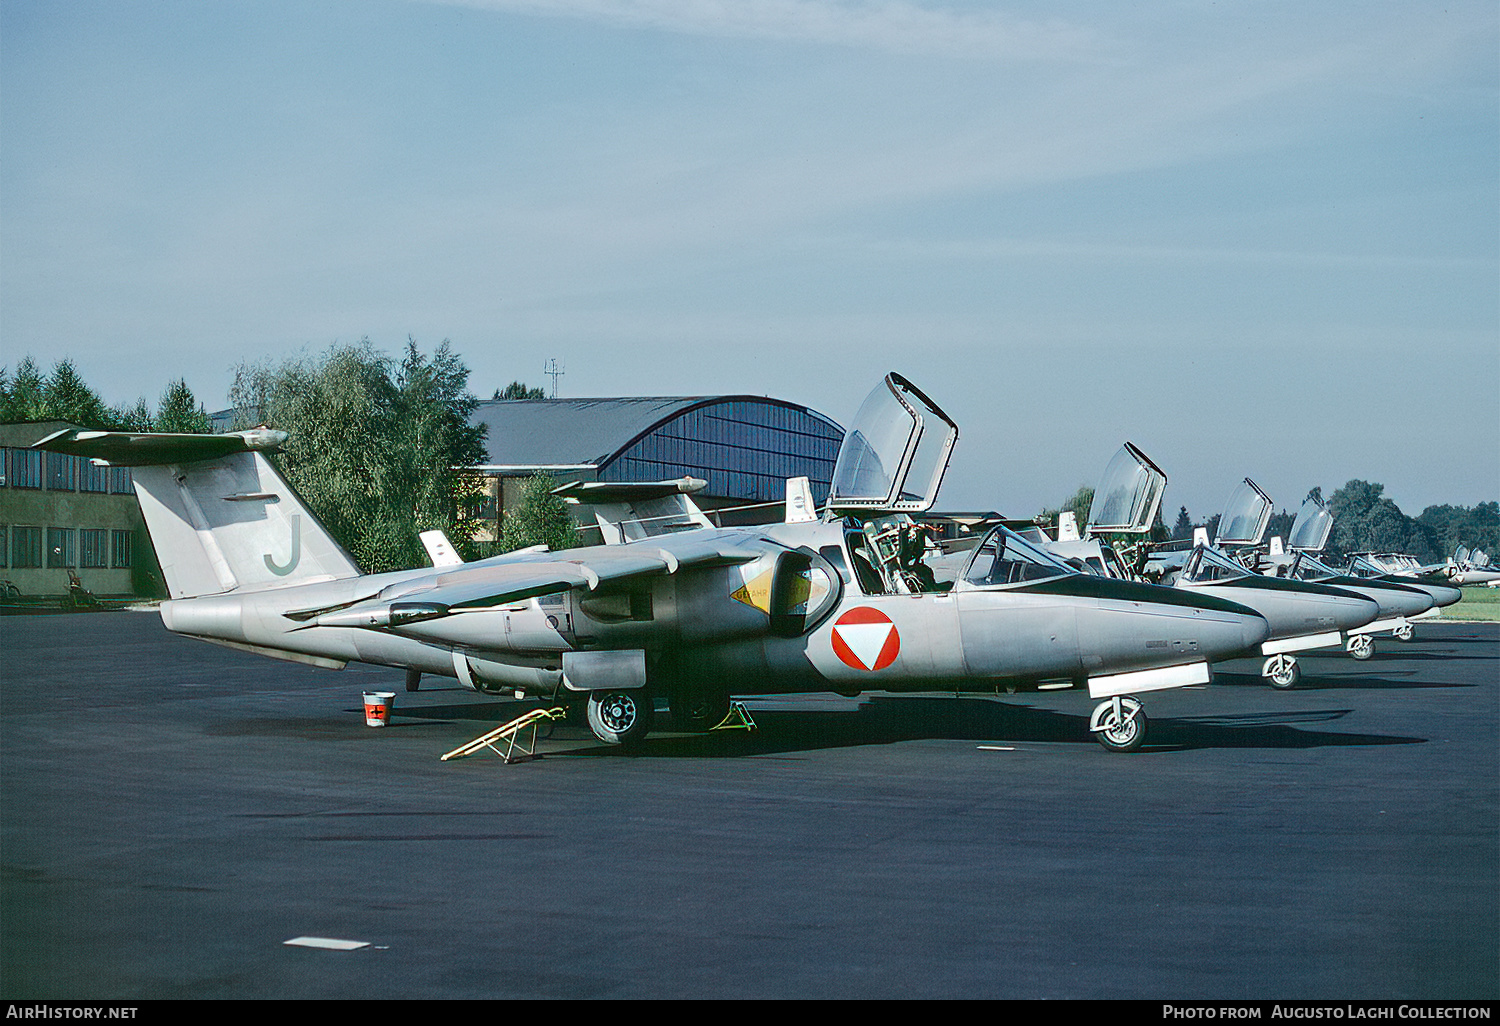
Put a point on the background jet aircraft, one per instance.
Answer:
(1301, 616)
(695, 615)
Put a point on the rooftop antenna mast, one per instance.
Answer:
(553, 371)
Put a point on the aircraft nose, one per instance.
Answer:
(1351, 610)
(1254, 629)
(1442, 595)
(1405, 602)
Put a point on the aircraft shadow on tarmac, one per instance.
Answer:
(882, 720)
(1329, 682)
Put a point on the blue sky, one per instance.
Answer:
(1255, 239)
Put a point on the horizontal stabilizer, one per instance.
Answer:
(135, 449)
(591, 492)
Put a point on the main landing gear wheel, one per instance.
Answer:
(1282, 671)
(1361, 646)
(620, 717)
(1404, 632)
(1119, 724)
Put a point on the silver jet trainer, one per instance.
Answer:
(1302, 616)
(694, 613)
(1403, 600)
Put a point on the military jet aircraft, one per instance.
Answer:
(1471, 566)
(694, 614)
(1302, 616)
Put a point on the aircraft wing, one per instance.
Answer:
(504, 580)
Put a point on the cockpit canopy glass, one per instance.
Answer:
(1128, 495)
(1359, 566)
(1307, 567)
(1245, 517)
(895, 453)
(1206, 565)
(1309, 531)
(1005, 558)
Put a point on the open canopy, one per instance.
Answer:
(1128, 495)
(1246, 516)
(1310, 530)
(895, 452)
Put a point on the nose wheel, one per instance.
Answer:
(1282, 671)
(1361, 646)
(1119, 724)
(1403, 632)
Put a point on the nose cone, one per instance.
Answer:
(1254, 629)
(1400, 599)
(1123, 625)
(1356, 611)
(1295, 609)
(1442, 594)
(1346, 610)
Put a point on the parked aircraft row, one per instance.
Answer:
(849, 599)
(1308, 605)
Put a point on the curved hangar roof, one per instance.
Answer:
(744, 446)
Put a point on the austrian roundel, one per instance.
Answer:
(866, 639)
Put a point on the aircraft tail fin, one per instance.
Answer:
(439, 549)
(799, 501)
(221, 518)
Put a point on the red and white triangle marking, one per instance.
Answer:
(866, 639)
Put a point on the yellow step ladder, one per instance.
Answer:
(510, 733)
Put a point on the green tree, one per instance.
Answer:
(25, 400)
(1079, 503)
(67, 397)
(539, 518)
(1364, 520)
(1183, 528)
(373, 446)
(180, 412)
(135, 418)
(431, 411)
(516, 390)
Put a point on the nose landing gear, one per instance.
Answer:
(1119, 724)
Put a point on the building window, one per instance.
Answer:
(25, 547)
(25, 468)
(92, 478)
(5, 546)
(60, 548)
(121, 543)
(60, 472)
(93, 548)
(120, 482)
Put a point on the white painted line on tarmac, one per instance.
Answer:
(330, 943)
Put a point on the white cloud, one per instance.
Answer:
(894, 26)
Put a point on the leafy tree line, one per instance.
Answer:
(376, 446)
(63, 395)
(373, 446)
(1364, 520)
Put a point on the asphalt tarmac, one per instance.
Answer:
(172, 812)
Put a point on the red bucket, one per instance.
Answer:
(378, 707)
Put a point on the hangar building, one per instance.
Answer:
(744, 446)
(62, 516)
